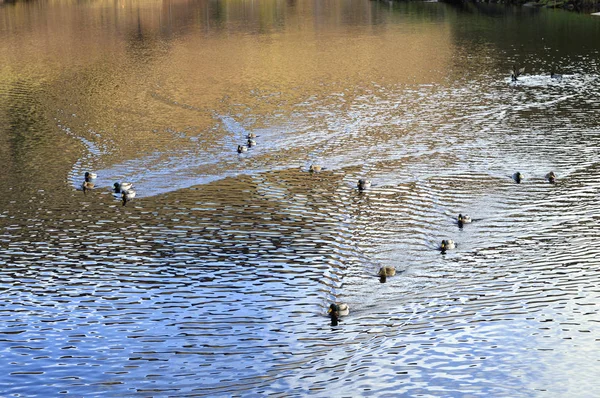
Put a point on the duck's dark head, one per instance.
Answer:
(334, 314)
(518, 177)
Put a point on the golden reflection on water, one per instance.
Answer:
(132, 70)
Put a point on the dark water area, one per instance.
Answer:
(216, 278)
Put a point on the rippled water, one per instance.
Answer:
(216, 278)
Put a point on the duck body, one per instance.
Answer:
(384, 272)
(119, 187)
(447, 244)
(515, 73)
(518, 177)
(251, 143)
(363, 184)
(315, 168)
(335, 311)
(551, 177)
(463, 219)
(87, 184)
(251, 135)
(556, 76)
(242, 148)
(127, 196)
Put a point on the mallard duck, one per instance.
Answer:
(551, 177)
(447, 244)
(121, 186)
(242, 148)
(515, 73)
(251, 142)
(463, 219)
(335, 311)
(518, 177)
(251, 135)
(315, 168)
(127, 196)
(91, 176)
(363, 184)
(87, 184)
(384, 272)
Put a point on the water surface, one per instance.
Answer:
(215, 280)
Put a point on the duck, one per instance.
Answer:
(87, 184)
(122, 186)
(251, 135)
(363, 184)
(551, 177)
(251, 142)
(91, 175)
(335, 311)
(242, 148)
(127, 196)
(515, 73)
(556, 76)
(447, 244)
(315, 168)
(463, 220)
(384, 272)
(518, 177)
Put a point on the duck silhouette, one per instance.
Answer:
(516, 72)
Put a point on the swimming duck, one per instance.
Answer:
(551, 177)
(463, 220)
(127, 196)
(384, 272)
(447, 244)
(363, 184)
(242, 148)
(251, 135)
(515, 73)
(87, 184)
(555, 76)
(92, 176)
(251, 142)
(315, 168)
(122, 186)
(335, 311)
(518, 177)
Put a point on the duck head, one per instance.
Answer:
(518, 177)
(334, 314)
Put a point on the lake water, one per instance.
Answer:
(215, 280)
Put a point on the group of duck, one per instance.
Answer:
(515, 72)
(249, 144)
(123, 189)
(336, 310)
